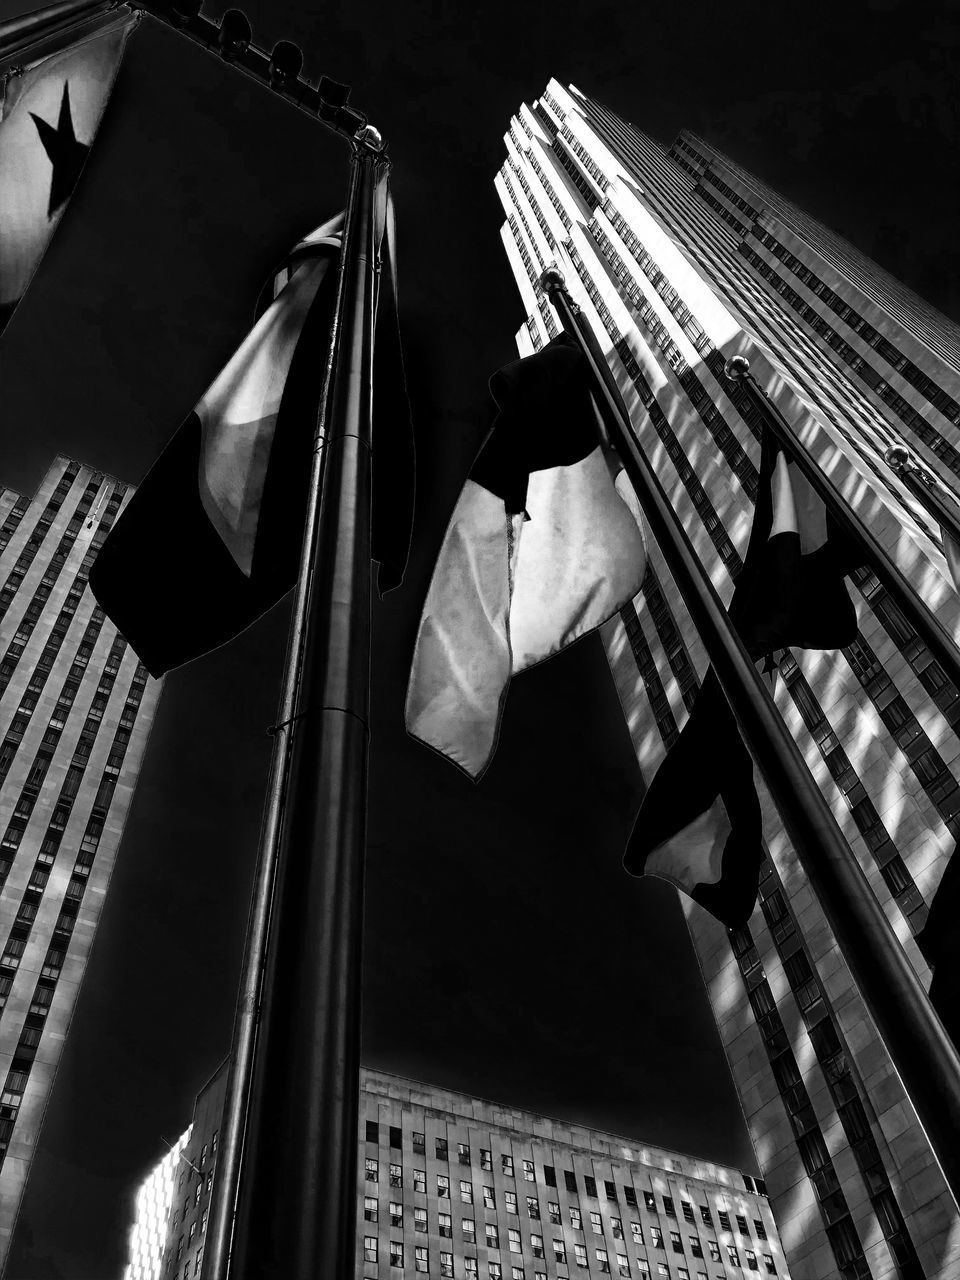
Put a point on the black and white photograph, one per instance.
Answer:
(479, 640)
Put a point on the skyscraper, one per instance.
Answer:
(75, 710)
(679, 259)
(452, 1185)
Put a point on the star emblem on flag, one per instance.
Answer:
(65, 153)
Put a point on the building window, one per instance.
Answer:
(559, 1251)
(603, 1263)
(650, 1201)
(533, 1208)
(466, 1192)
(445, 1221)
(373, 1131)
(396, 1214)
(494, 1271)
(732, 1256)
(714, 1250)
(420, 1181)
(760, 1229)
(514, 1238)
(616, 1226)
(506, 1166)
(371, 1210)
(553, 1212)
(419, 1143)
(529, 1174)
(486, 1160)
(575, 1220)
(637, 1232)
(469, 1228)
(656, 1237)
(580, 1255)
(752, 1260)
(396, 1253)
(549, 1175)
(441, 1148)
(696, 1249)
(470, 1266)
(489, 1200)
(623, 1264)
(463, 1152)
(370, 1170)
(724, 1220)
(443, 1186)
(676, 1242)
(493, 1236)
(741, 1220)
(668, 1208)
(516, 1273)
(511, 1201)
(769, 1264)
(590, 1186)
(536, 1244)
(396, 1175)
(687, 1208)
(369, 1248)
(419, 1219)
(421, 1259)
(396, 1136)
(446, 1264)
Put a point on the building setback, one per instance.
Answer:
(75, 710)
(680, 259)
(452, 1185)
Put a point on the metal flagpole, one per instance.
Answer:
(920, 1049)
(296, 1201)
(930, 630)
(926, 488)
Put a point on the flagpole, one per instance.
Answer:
(921, 1051)
(296, 1204)
(926, 488)
(927, 626)
(46, 31)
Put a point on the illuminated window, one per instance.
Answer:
(596, 1224)
(420, 1181)
(510, 1198)
(371, 1211)
(580, 1255)
(419, 1219)
(466, 1192)
(369, 1248)
(370, 1170)
(575, 1220)
(396, 1175)
(514, 1237)
(421, 1259)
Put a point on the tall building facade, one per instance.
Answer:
(75, 710)
(452, 1185)
(680, 259)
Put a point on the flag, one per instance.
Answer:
(211, 538)
(545, 544)
(49, 115)
(699, 825)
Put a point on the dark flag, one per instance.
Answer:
(699, 825)
(211, 538)
(50, 110)
(544, 545)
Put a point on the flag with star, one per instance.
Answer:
(49, 114)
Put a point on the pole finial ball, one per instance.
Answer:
(552, 278)
(370, 136)
(736, 368)
(898, 457)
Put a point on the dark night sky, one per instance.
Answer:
(506, 952)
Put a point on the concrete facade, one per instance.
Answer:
(75, 711)
(680, 259)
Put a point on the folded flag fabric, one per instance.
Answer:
(545, 544)
(49, 115)
(211, 538)
(699, 825)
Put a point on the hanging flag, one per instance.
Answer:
(49, 114)
(699, 825)
(211, 538)
(545, 544)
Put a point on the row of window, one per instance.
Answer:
(604, 1264)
